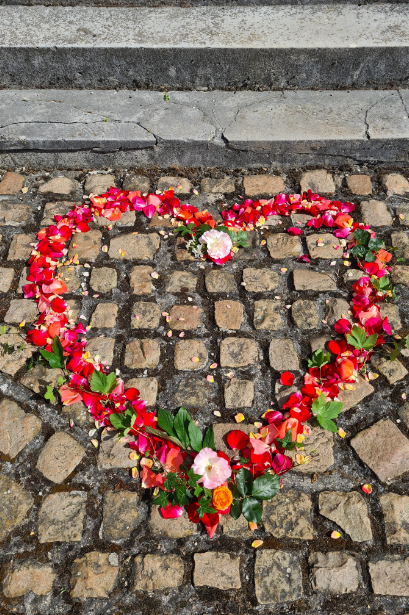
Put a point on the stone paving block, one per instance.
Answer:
(300, 219)
(263, 185)
(114, 453)
(220, 570)
(181, 282)
(403, 214)
(185, 317)
(260, 280)
(61, 517)
(86, 246)
(352, 397)
(238, 393)
(191, 393)
(277, 576)
(352, 275)
(147, 313)
(69, 274)
(375, 213)
(305, 279)
(238, 352)
(220, 282)
(228, 314)
(59, 185)
(305, 314)
(133, 181)
(73, 309)
(141, 354)
(11, 183)
(282, 245)
(283, 356)
(404, 414)
(319, 343)
(127, 219)
(180, 185)
(28, 575)
(321, 441)
(6, 279)
(319, 181)
(60, 208)
(147, 387)
(395, 510)
(349, 511)
(267, 315)
(334, 573)
(384, 448)
(93, 576)
(400, 275)
(14, 214)
(390, 576)
(158, 572)
(15, 502)
(97, 184)
(104, 316)
(359, 184)
(289, 515)
(171, 528)
(59, 457)
(164, 222)
(324, 245)
(392, 370)
(141, 281)
(134, 247)
(336, 309)
(220, 432)
(218, 186)
(21, 310)
(103, 279)
(395, 184)
(16, 355)
(181, 252)
(17, 428)
(20, 248)
(120, 514)
(186, 354)
(79, 414)
(102, 347)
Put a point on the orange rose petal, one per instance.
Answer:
(239, 417)
(341, 432)
(252, 526)
(367, 489)
(95, 443)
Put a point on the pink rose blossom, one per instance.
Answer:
(218, 243)
(213, 469)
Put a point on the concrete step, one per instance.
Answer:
(82, 128)
(269, 47)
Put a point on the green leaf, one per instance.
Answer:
(181, 424)
(357, 337)
(163, 436)
(165, 421)
(204, 507)
(3, 330)
(166, 97)
(181, 494)
(193, 478)
(244, 481)
(331, 410)
(375, 244)
(171, 481)
(236, 508)
(266, 487)
(370, 257)
(362, 236)
(318, 403)
(57, 348)
(252, 510)
(407, 342)
(327, 424)
(118, 421)
(5, 349)
(287, 441)
(161, 499)
(319, 358)
(101, 383)
(60, 380)
(49, 394)
(394, 353)
(359, 251)
(208, 440)
(370, 341)
(52, 359)
(195, 436)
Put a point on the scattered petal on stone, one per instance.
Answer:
(372, 376)
(263, 242)
(335, 534)
(165, 313)
(324, 321)
(252, 526)
(95, 443)
(230, 375)
(189, 299)
(136, 317)
(210, 378)
(195, 192)
(288, 307)
(134, 455)
(169, 333)
(256, 543)
(154, 275)
(347, 263)
(72, 424)
(401, 216)
(283, 269)
(213, 366)
(22, 323)
(24, 190)
(195, 359)
(134, 472)
(367, 488)
(333, 263)
(403, 395)
(239, 417)
(327, 300)
(182, 334)
(217, 413)
(258, 424)
(168, 318)
(341, 432)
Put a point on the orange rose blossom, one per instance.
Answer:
(222, 497)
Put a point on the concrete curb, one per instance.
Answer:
(275, 47)
(77, 128)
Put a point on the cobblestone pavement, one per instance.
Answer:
(78, 534)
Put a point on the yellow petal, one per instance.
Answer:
(252, 526)
(95, 443)
(134, 472)
(256, 543)
(239, 417)
(335, 534)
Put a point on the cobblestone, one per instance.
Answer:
(59, 457)
(171, 528)
(191, 393)
(180, 185)
(103, 279)
(190, 355)
(140, 354)
(359, 184)
(375, 213)
(93, 576)
(140, 280)
(19, 310)
(238, 393)
(102, 347)
(133, 181)
(278, 577)
(395, 510)
(396, 183)
(305, 279)
(61, 517)
(185, 317)
(17, 428)
(238, 352)
(289, 514)
(6, 279)
(104, 316)
(281, 245)
(38, 378)
(263, 185)
(219, 570)
(352, 397)
(12, 214)
(336, 309)
(349, 511)
(305, 314)
(11, 183)
(319, 181)
(147, 387)
(20, 247)
(134, 247)
(392, 370)
(228, 314)
(158, 572)
(334, 573)
(27, 576)
(114, 453)
(145, 315)
(86, 246)
(120, 514)
(59, 185)
(283, 355)
(260, 280)
(15, 502)
(322, 442)
(324, 245)
(218, 186)
(181, 282)
(97, 184)
(220, 282)
(390, 576)
(267, 315)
